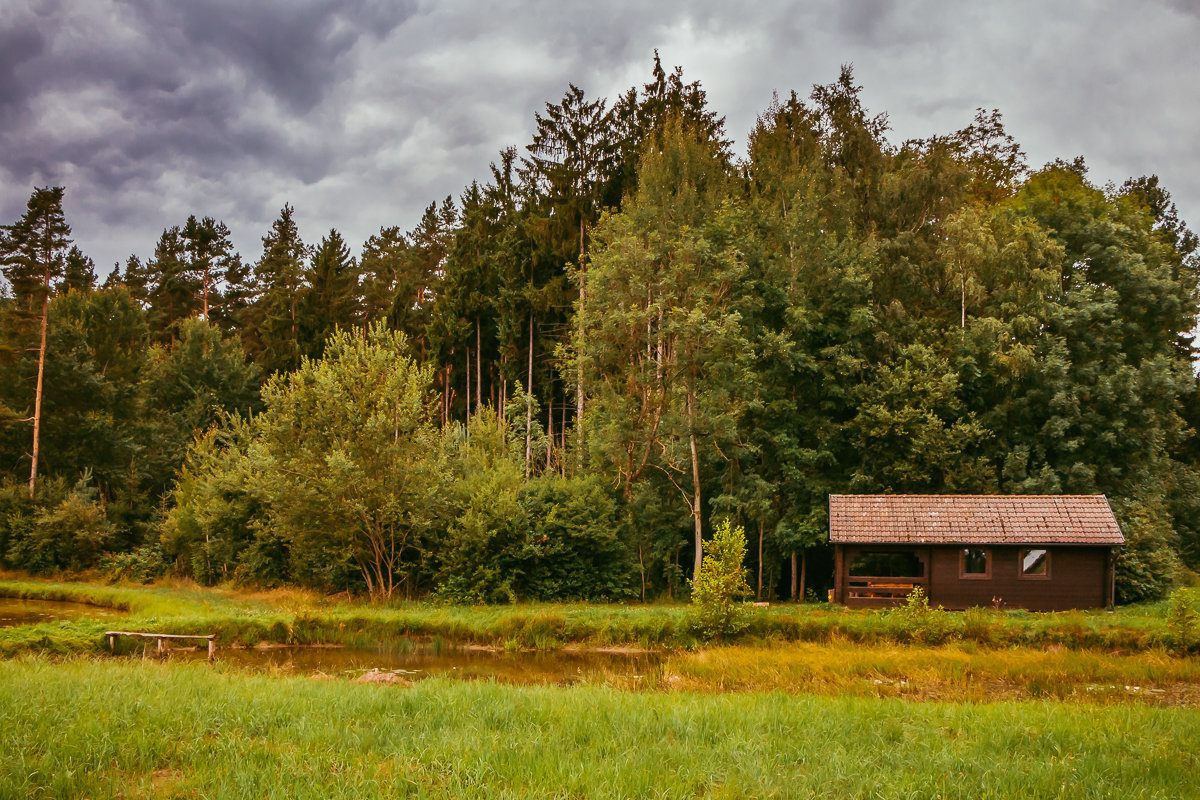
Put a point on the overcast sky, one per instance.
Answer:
(360, 113)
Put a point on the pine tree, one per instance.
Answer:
(209, 255)
(33, 254)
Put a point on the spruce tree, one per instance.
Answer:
(331, 300)
(279, 275)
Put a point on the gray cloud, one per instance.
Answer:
(361, 113)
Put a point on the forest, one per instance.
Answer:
(558, 383)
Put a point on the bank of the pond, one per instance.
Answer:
(89, 728)
(300, 618)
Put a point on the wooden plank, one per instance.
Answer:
(161, 639)
(161, 635)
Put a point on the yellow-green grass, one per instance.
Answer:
(86, 728)
(961, 671)
(302, 617)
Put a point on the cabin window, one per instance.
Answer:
(975, 563)
(887, 565)
(1035, 563)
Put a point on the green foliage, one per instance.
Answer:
(143, 565)
(70, 534)
(348, 460)
(721, 583)
(1148, 566)
(1183, 620)
(915, 621)
(835, 313)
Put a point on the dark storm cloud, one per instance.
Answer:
(361, 113)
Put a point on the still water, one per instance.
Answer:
(413, 660)
(14, 611)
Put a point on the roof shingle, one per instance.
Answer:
(972, 519)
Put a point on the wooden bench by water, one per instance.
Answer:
(162, 640)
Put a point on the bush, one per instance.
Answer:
(1183, 621)
(1149, 565)
(720, 582)
(916, 622)
(141, 565)
(69, 535)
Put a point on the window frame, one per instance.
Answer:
(1025, 576)
(986, 575)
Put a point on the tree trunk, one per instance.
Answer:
(468, 389)
(550, 432)
(37, 397)
(579, 367)
(758, 595)
(478, 366)
(691, 412)
(964, 301)
(529, 407)
(803, 569)
(642, 569)
(795, 577)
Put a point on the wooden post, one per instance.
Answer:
(112, 643)
(212, 648)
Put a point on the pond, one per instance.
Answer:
(412, 660)
(15, 611)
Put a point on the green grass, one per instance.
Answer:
(89, 728)
(303, 618)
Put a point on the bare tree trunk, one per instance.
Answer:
(795, 577)
(529, 406)
(691, 412)
(758, 595)
(478, 366)
(579, 366)
(964, 300)
(642, 568)
(468, 389)
(550, 433)
(803, 569)
(37, 397)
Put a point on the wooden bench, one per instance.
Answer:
(161, 639)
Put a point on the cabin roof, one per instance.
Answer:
(972, 519)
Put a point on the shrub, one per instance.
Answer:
(141, 565)
(69, 535)
(915, 621)
(1183, 621)
(720, 582)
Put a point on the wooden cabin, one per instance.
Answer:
(1040, 552)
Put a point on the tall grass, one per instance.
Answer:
(299, 617)
(136, 729)
(961, 672)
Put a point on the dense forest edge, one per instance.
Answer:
(557, 385)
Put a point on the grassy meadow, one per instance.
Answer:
(298, 617)
(809, 701)
(133, 728)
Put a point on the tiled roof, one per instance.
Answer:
(972, 519)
